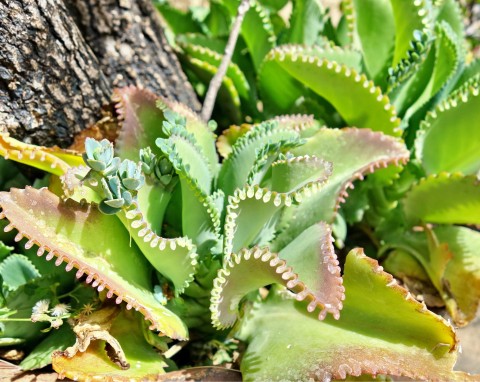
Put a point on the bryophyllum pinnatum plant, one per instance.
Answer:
(184, 243)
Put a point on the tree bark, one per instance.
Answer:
(53, 84)
(50, 82)
(128, 40)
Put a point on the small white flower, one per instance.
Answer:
(60, 310)
(56, 323)
(41, 307)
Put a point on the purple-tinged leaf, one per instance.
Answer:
(95, 244)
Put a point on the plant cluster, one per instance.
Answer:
(238, 253)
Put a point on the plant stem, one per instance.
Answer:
(216, 81)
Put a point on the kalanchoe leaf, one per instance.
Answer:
(107, 209)
(203, 53)
(52, 160)
(410, 17)
(413, 342)
(292, 173)
(444, 198)
(76, 234)
(350, 92)
(127, 197)
(200, 217)
(257, 32)
(252, 212)
(201, 132)
(449, 255)
(398, 76)
(115, 203)
(17, 270)
(106, 187)
(41, 355)
(317, 280)
(448, 57)
(93, 362)
(265, 136)
(449, 128)
(99, 155)
(147, 159)
(131, 175)
(351, 160)
(372, 28)
(175, 259)
(461, 279)
(140, 121)
(311, 255)
(452, 13)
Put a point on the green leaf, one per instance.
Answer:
(173, 258)
(77, 235)
(177, 20)
(409, 78)
(197, 39)
(10, 177)
(213, 58)
(41, 355)
(187, 157)
(450, 257)
(286, 342)
(228, 94)
(349, 92)
(446, 63)
(266, 137)
(317, 280)
(409, 16)
(312, 256)
(257, 32)
(4, 250)
(52, 160)
(451, 12)
(204, 137)
(461, 279)
(274, 5)
(289, 175)
(21, 301)
(444, 198)
(252, 212)
(469, 72)
(448, 138)
(374, 25)
(17, 270)
(354, 153)
(306, 22)
(218, 19)
(140, 121)
(200, 217)
(94, 363)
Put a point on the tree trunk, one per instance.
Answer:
(127, 38)
(52, 84)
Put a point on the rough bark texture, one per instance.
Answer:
(50, 82)
(55, 77)
(128, 40)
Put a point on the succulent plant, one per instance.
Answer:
(242, 246)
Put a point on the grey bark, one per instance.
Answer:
(55, 76)
(127, 38)
(50, 82)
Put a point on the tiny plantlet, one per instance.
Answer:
(307, 244)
